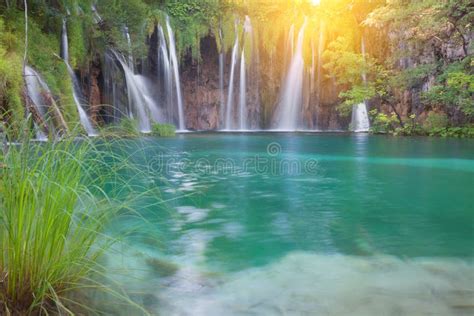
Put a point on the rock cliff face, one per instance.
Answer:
(202, 96)
(200, 84)
(265, 74)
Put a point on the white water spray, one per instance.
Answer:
(230, 95)
(175, 69)
(76, 92)
(36, 88)
(243, 94)
(139, 97)
(360, 118)
(126, 33)
(165, 73)
(291, 98)
(221, 80)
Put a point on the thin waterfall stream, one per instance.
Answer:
(360, 118)
(291, 98)
(175, 71)
(77, 93)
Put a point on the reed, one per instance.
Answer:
(53, 212)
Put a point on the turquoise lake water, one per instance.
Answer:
(302, 224)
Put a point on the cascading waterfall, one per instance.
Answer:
(360, 119)
(313, 67)
(291, 98)
(97, 17)
(230, 94)
(36, 89)
(139, 97)
(320, 61)
(126, 34)
(175, 70)
(165, 75)
(243, 94)
(77, 94)
(243, 111)
(221, 79)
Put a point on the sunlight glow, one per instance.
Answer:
(315, 2)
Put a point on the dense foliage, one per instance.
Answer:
(423, 46)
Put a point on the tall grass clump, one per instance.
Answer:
(53, 212)
(163, 130)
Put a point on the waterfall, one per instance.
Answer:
(165, 76)
(221, 87)
(313, 67)
(320, 61)
(36, 89)
(126, 34)
(230, 94)
(360, 119)
(221, 79)
(291, 98)
(243, 94)
(76, 91)
(64, 42)
(175, 70)
(139, 97)
(97, 17)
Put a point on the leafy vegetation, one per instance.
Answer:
(436, 124)
(410, 46)
(11, 81)
(454, 88)
(164, 130)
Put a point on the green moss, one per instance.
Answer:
(11, 81)
(163, 130)
(77, 45)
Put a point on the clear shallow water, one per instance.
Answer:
(302, 224)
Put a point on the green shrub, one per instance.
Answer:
(410, 127)
(11, 81)
(436, 120)
(126, 128)
(163, 130)
(459, 132)
(382, 123)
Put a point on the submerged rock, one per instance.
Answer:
(162, 267)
